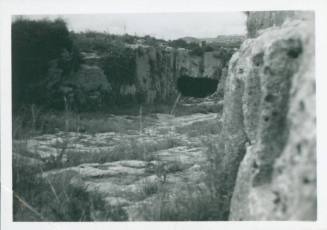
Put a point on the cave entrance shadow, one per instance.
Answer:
(198, 87)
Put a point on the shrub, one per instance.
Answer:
(34, 45)
(119, 65)
(197, 51)
(194, 205)
(216, 175)
(37, 197)
(179, 43)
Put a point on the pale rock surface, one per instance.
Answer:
(125, 189)
(274, 125)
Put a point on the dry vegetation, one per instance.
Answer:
(72, 204)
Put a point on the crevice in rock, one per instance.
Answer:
(234, 152)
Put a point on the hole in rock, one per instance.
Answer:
(266, 119)
(258, 59)
(306, 180)
(269, 98)
(255, 165)
(294, 48)
(196, 87)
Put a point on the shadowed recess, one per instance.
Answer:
(196, 87)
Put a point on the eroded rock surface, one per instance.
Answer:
(128, 175)
(269, 118)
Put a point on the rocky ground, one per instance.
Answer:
(136, 174)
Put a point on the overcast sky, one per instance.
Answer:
(160, 25)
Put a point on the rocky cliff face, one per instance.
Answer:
(155, 74)
(155, 70)
(269, 126)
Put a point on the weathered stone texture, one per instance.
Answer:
(157, 70)
(269, 114)
(260, 20)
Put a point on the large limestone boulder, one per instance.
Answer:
(269, 128)
(260, 20)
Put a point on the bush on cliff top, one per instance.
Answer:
(34, 45)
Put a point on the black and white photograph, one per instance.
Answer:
(172, 116)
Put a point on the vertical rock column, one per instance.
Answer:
(269, 126)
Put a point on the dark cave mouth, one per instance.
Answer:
(198, 87)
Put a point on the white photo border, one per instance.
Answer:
(16, 7)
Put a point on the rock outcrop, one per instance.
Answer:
(269, 126)
(259, 20)
(132, 175)
(157, 71)
(153, 71)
